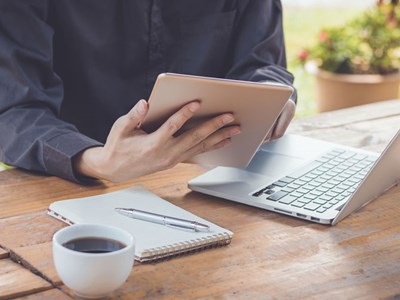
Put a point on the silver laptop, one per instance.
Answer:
(307, 178)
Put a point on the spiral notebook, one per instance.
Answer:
(153, 241)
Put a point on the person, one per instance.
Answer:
(74, 73)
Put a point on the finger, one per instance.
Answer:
(196, 135)
(132, 120)
(176, 121)
(284, 120)
(215, 141)
(195, 151)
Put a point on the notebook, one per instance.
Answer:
(153, 241)
(307, 178)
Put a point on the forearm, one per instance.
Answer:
(88, 163)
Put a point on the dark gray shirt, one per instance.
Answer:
(70, 68)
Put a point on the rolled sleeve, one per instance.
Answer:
(59, 151)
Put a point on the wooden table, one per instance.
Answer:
(271, 256)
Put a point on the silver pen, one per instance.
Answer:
(163, 220)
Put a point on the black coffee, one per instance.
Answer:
(94, 245)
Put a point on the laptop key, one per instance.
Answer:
(302, 191)
(294, 185)
(266, 190)
(347, 155)
(269, 192)
(310, 196)
(331, 194)
(280, 183)
(278, 195)
(258, 193)
(298, 204)
(308, 187)
(314, 183)
(322, 189)
(316, 192)
(287, 179)
(319, 201)
(287, 199)
(304, 200)
(287, 189)
(325, 197)
(296, 194)
(312, 206)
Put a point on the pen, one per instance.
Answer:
(163, 220)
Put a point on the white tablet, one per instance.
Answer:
(255, 106)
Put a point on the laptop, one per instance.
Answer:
(307, 178)
(255, 106)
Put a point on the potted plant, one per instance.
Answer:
(359, 62)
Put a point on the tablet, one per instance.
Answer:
(255, 106)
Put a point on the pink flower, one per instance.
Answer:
(303, 55)
(323, 36)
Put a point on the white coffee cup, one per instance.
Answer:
(93, 275)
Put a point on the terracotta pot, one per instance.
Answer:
(335, 91)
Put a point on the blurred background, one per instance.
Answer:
(303, 20)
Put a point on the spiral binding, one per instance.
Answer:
(161, 253)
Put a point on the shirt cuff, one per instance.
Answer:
(59, 151)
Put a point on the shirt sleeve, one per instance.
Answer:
(259, 47)
(32, 136)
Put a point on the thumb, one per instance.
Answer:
(135, 117)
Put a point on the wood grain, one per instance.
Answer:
(22, 192)
(39, 259)
(16, 281)
(349, 116)
(3, 253)
(50, 294)
(369, 127)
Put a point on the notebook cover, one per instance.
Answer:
(153, 241)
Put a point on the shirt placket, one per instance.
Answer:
(156, 45)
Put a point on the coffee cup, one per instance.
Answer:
(92, 259)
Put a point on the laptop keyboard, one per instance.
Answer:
(324, 183)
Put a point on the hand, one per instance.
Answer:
(280, 126)
(130, 152)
